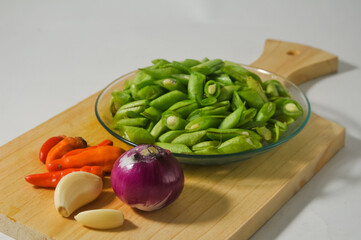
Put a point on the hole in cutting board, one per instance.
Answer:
(294, 52)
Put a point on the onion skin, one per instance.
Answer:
(147, 177)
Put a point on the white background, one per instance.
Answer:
(54, 54)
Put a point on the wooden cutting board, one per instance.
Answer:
(218, 202)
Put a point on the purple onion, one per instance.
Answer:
(147, 177)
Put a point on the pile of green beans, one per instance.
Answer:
(202, 107)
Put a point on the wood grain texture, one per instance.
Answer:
(296, 62)
(218, 202)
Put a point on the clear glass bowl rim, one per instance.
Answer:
(214, 156)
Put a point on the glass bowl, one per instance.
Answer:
(102, 111)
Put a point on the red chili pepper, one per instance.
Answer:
(104, 156)
(51, 179)
(105, 142)
(79, 150)
(64, 146)
(45, 148)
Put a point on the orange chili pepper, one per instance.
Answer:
(103, 156)
(64, 146)
(48, 144)
(79, 150)
(51, 179)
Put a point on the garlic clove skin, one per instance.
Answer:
(100, 218)
(76, 190)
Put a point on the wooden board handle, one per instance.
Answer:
(296, 62)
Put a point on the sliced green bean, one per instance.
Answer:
(165, 101)
(292, 108)
(232, 119)
(253, 124)
(191, 138)
(238, 72)
(264, 132)
(158, 129)
(174, 147)
(135, 122)
(184, 108)
(183, 78)
(181, 67)
(208, 101)
(131, 111)
(271, 90)
(281, 90)
(208, 67)
(195, 86)
(283, 127)
(252, 98)
(206, 144)
(223, 79)
(138, 103)
(190, 62)
(219, 108)
(207, 151)
(119, 98)
(266, 112)
(172, 84)
(160, 62)
(136, 134)
(247, 116)
(239, 144)
(204, 122)
(173, 121)
(225, 134)
(288, 107)
(140, 76)
(159, 73)
(275, 133)
(150, 126)
(236, 101)
(150, 92)
(170, 135)
(212, 89)
(285, 119)
(152, 113)
(256, 86)
(205, 60)
(226, 92)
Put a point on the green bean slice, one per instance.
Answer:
(204, 122)
(266, 112)
(158, 129)
(152, 113)
(205, 144)
(232, 119)
(172, 84)
(225, 134)
(212, 89)
(174, 147)
(191, 138)
(195, 86)
(165, 101)
(135, 122)
(170, 135)
(184, 108)
(208, 67)
(173, 121)
(150, 92)
(239, 144)
(136, 134)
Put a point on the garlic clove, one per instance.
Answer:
(101, 218)
(76, 190)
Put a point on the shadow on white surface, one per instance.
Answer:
(332, 178)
